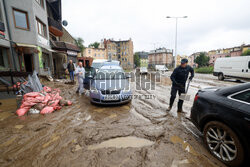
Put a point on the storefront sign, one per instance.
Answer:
(69, 52)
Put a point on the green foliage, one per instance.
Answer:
(202, 60)
(95, 45)
(204, 70)
(79, 43)
(246, 53)
(137, 60)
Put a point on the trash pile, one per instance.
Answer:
(40, 101)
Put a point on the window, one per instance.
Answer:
(21, 19)
(244, 96)
(249, 64)
(40, 2)
(41, 28)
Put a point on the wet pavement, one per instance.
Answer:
(140, 133)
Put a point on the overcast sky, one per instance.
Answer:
(211, 24)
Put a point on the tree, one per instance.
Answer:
(95, 45)
(137, 59)
(79, 43)
(246, 53)
(202, 60)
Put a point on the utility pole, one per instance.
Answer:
(176, 31)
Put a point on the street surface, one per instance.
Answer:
(137, 134)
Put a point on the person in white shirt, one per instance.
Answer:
(80, 72)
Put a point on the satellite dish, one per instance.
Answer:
(64, 23)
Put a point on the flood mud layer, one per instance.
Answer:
(140, 133)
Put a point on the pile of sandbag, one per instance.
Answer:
(43, 102)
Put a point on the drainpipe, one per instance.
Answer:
(10, 38)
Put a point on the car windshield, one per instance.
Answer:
(97, 65)
(108, 74)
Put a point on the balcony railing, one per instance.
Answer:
(55, 23)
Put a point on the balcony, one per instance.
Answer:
(63, 46)
(55, 27)
(2, 27)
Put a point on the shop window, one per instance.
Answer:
(21, 19)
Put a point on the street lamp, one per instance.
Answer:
(176, 24)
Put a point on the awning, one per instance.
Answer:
(50, 50)
(26, 45)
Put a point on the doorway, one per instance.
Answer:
(28, 62)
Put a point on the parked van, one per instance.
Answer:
(161, 68)
(232, 67)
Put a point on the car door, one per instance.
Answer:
(243, 98)
(247, 69)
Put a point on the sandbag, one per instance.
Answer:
(22, 111)
(47, 110)
(69, 103)
(47, 89)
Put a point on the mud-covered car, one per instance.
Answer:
(223, 115)
(110, 86)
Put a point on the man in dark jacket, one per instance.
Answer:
(179, 78)
(71, 69)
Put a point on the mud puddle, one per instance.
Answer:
(122, 142)
(8, 104)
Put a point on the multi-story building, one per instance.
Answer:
(30, 25)
(6, 60)
(161, 56)
(143, 57)
(192, 59)
(122, 50)
(95, 53)
(28, 30)
(180, 57)
(236, 51)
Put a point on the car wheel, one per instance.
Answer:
(223, 143)
(221, 77)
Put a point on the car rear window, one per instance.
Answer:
(244, 96)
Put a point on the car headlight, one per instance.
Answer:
(94, 90)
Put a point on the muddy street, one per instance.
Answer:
(140, 133)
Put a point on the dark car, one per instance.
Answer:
(223, 115)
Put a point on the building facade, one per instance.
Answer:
(6, 61)
(95, 53)
(122, 50)
(161, 56)
(28, 31)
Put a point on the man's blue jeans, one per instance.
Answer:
(71, 75)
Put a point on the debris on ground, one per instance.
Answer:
(39, 99)
(43, 102)
(33, 84)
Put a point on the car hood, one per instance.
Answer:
(119, 84)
